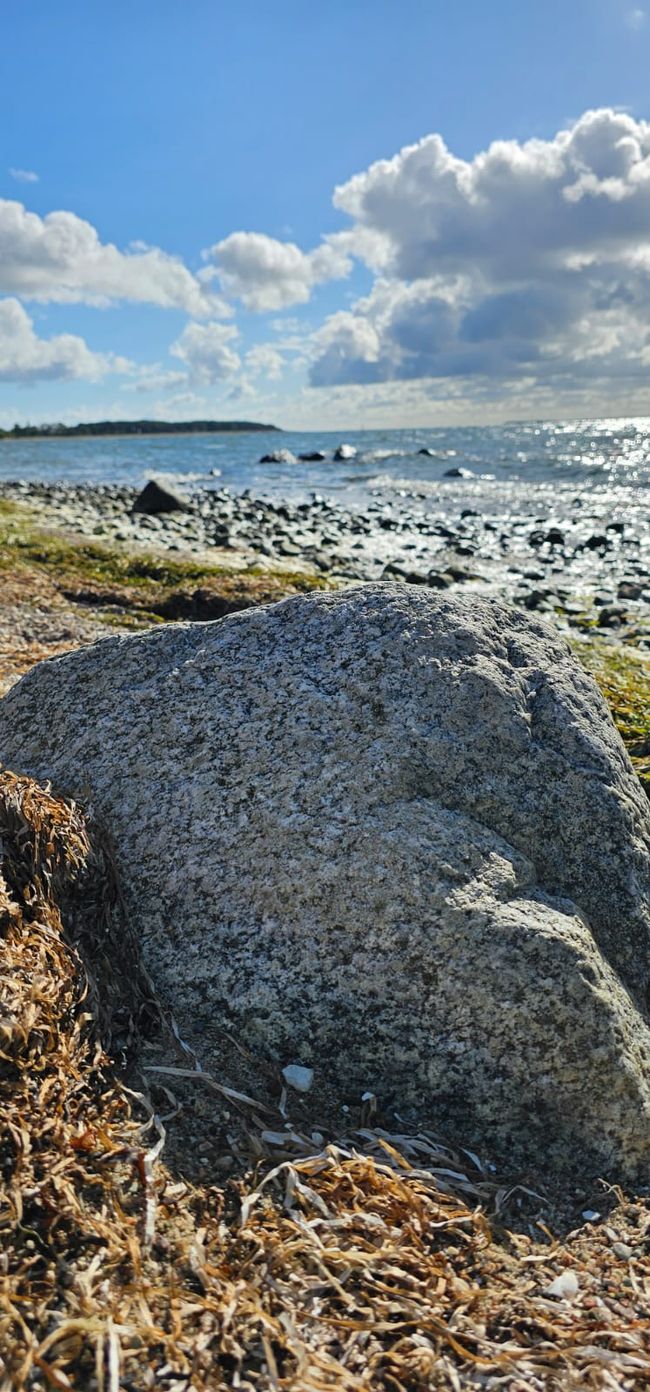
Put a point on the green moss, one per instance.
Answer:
(623, 675)
(97, 563)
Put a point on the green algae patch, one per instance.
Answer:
(623, 675)
(142, 584)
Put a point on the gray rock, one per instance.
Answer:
(389, 832)
(280, 456)
(159, 497)
(611, 616)
(598, 542)
(302, 1079)
(622, 1250)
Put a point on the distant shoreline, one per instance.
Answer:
(89, 429)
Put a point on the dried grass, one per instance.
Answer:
(380, 1262)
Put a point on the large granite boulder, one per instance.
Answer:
(387, 834)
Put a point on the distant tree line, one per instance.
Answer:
(141, 427)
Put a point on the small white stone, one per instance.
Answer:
(564, 1287)
(297, 1077)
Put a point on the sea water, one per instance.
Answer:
(518, 468)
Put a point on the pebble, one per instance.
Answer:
(564, 1287)
(299, 1078)
(621, 1249)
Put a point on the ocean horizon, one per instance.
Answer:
(507, 469)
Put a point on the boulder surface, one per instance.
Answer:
(386, 834)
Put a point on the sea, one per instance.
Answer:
(506, 470)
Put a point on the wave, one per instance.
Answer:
(412, 485)
(420, 487)
(191, 476)
(368, 456)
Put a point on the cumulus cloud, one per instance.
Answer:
(207, 351)
(24, 176)
(515, 208)
(24, 357)
(153, 377)
(266, 274)
(401, 332)
(61, 258)
(265, 361)
(531, 258)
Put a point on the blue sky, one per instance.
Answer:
(147, 141)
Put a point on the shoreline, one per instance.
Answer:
(91, 430)
(584, 575)
(8, 438)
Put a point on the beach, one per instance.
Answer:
(587, 570)
(81, 563)
(550, 517)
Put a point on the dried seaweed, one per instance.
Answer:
(381, 1262)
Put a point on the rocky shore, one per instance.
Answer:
(586, 573)
(247, 1243)
(77, 562)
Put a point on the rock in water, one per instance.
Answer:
(159, 497)
(279, 456)
(345, 452)
(387, 832)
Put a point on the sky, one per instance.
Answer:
(365, 213)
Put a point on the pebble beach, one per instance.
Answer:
(585, 572)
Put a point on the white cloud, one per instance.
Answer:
(635, 19)
(24, 357)
(241, 391)
(24, 176)
(153, 377)
(516, 208)
(521, 276)
(61, 258)
(402, 332)
(532, 259)
(265, 361)
(207, 351)
(287, 326)
(460, 401)
(266, 274)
